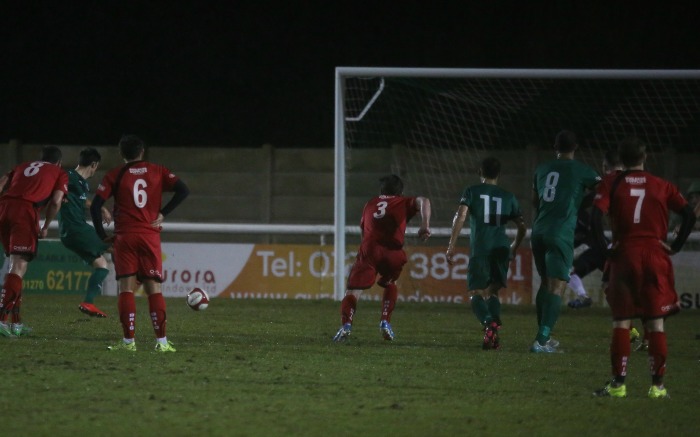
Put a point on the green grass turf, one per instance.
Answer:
(266, 368)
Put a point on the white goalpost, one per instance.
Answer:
(439, 123)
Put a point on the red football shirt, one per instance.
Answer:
(36, 181)
(138, 196)
(384, 220)
(638, 205)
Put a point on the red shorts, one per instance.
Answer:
(372, 260)
(19, 227)
(138, 254)
(642, 283)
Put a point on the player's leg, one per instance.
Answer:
(619, 355)
(157, 310)
(478, 280)
(539, 251)
(150, 274)
(95, 281)
(19, 230)
(658, 353)
(11, 297)
(389, 297)
(391, 293)
(588, 261)
(87, 245)
(625, 280)
(558, 259)
(126, 265)
(126, 307)
(389, 269)
(500, 262)
(362, 276)
(659, 300)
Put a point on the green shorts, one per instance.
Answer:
(488, 269)
(85, 243)
(553, 256)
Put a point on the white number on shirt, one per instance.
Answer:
(487, 208)
(639, 193)
(33, 168)
(140, 195)
(381, 210)
(550, 186)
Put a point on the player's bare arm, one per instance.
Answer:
(522, 230)
(424, 207)
(51, 210)
(457, 224)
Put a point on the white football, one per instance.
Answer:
(198, 299)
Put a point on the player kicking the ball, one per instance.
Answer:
(137, 188)
(80, 237)
(489, 208)
(382, 226)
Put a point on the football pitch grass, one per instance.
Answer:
(267, 368)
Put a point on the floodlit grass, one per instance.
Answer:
(269, 368)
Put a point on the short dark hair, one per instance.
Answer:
(490, 167)
(391, 185)
(612, 158)
(565, 141)
(130, 146)
(89, 155)
(632, 151)
(51, 154)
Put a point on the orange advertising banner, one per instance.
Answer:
(306, 272)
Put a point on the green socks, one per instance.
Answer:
(480, 309)
(550, 315)
(540, 300)
(494, 304)
(95, 281)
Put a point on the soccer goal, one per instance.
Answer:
(434, 126)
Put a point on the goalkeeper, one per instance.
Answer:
(587, 256)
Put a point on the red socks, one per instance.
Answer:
(347, 308)
(391, 293)
(658, 351)
(127, 313)
(156, 305)
(349, 304)
(620, 349)
(11, 298)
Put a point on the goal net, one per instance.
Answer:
(434, 126)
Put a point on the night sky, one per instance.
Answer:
(249, 73)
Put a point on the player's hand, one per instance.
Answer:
(450, 255)
(158, 222)
(424, 233)
(106, 216)
(44, 232)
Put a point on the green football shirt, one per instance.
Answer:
(490, 209)
(71, 216)
(560, 186)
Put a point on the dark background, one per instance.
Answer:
(242, 74)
